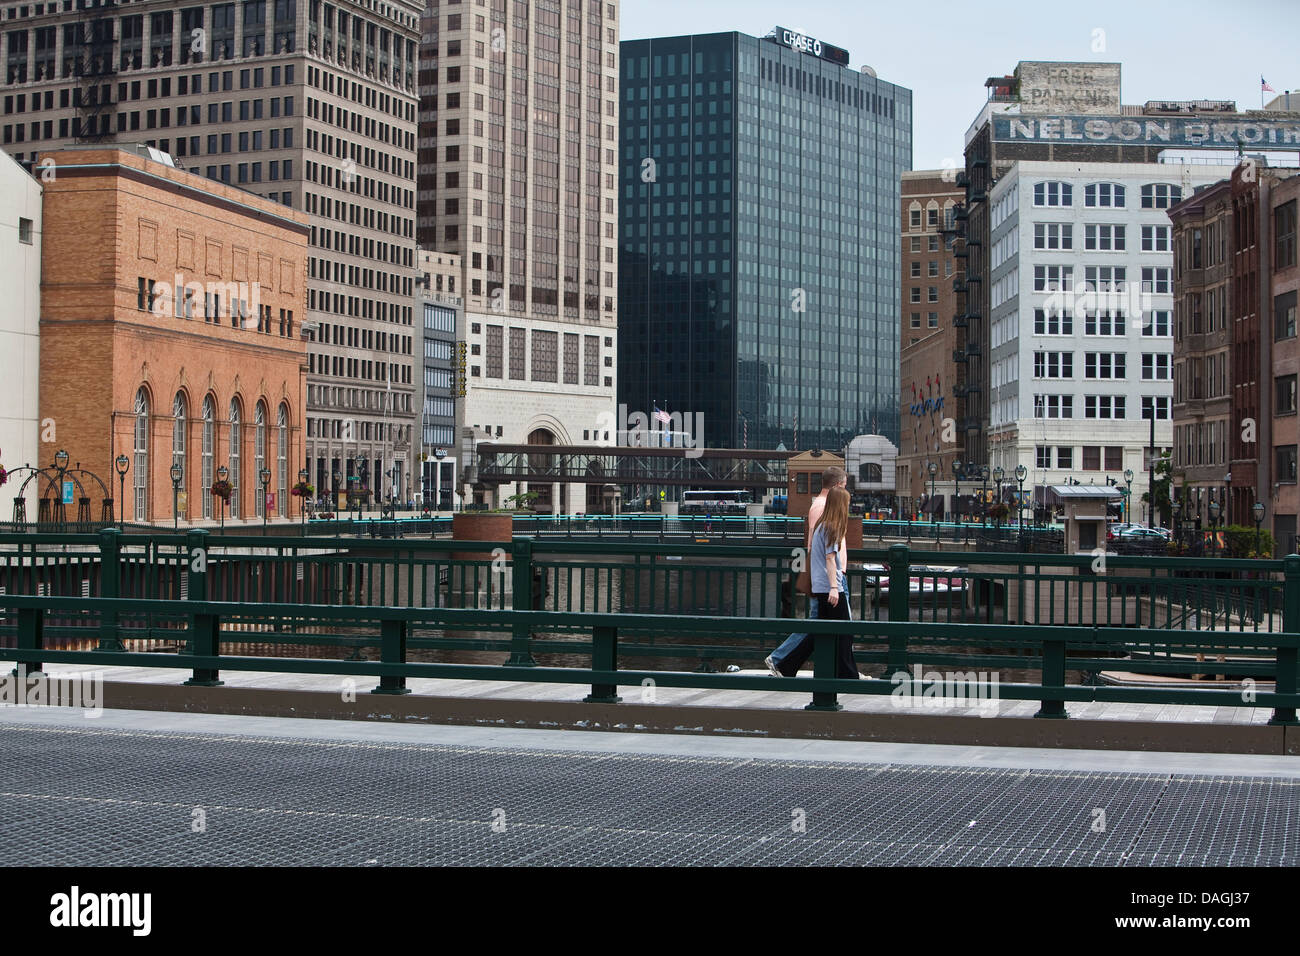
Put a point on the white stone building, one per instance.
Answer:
(20, 288)
(1081, 318)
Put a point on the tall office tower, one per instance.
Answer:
(310, 104)
(439, 311)
(759, 245)
(518, 143)
(1071, 114)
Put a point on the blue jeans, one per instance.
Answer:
(794, 640)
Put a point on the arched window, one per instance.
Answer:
(234, 457)
(140, 480)
(259, 455)
(178, 434)
(209, 440)
(869, 472)
(282, 461)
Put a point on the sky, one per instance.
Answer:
(943, 50)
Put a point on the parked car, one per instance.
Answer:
(1139, 533)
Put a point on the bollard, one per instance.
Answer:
(824, 654)
(1288, 671)
(110, 585)
(1053, 676)
(521, 654)
(392, 643)
(604, 657)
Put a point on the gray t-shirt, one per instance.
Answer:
(817, 561)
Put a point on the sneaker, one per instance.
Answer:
(771, 666)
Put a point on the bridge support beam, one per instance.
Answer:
(1288, 667)
(1053, 676)
(392, 643)
(604, 657)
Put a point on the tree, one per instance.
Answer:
(1164, 477)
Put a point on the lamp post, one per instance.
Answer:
(1227, 498)
(1021, 473)
(1257, 511)
(302, 477)
(934, 470)
(1214, 525)
(984, 494)
(122, 463)
(998, 474)
(265, 477)
(1175, 509)
(1128, 495)
(956, 496)
(222, 474)
(356, 507)
(177, 474)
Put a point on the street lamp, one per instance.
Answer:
(1257, 510)
(1176, 509)
(984, 494)
(1214, 523)
(934, 470)
(222, 474)
(1128, 495)
(121, 463)
(998, 474)
(1227, 498)
(1021, 474)
(177, 473)
(302, 477)
(265, 476)
(360, 484)
(956, 479)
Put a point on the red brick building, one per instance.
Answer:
(170, 333)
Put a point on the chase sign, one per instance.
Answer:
(801, 43)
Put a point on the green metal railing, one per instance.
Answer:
(607, 639)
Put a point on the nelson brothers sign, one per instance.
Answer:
(1148, 131)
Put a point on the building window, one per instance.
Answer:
(1109, 195)
(140, 480)
(1103, 323)
(1103, 364)
(1284, 316)
(1286, 463)
(282, 461)
(545, 357)
(932, 319)
(916, 320)
(1064, 456)
(1103, 238)
(1156, 280)
(1155, 239)
(233, 463)
(493, 357)
(1155, 366)
(1053, 235)
(178, 434)
(916, 295)
(1284, 229)
(209, 438)
(1103, 406)
(932, 294)
(1043, 456)
(1053, 323)
(1092, 458)
(1159, 402)
(1053, 406)
(1053, 365)
(1053, 194)
(1105, 278)
(1114, 457)
(1053, 278)
(570, 358)
(259, 457)
(517, 344)
(916, 270)
(591, 360)
(25, 230)
(1160, 195)
(1285, 389)
(1157, 325)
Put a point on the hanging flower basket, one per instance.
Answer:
(4, 475)
(222, 490)
(302, 490)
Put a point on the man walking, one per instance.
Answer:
(832, 477)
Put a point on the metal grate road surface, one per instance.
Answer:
(105, 797)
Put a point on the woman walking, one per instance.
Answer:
(832, 603)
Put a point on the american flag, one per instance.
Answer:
(1264, 87)
(662, 416)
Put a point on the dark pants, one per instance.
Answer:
(845, 666)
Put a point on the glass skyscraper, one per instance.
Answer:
(758, 238)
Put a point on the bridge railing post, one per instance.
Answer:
(824, 660)
(521, 564)
(604, 657)
(900, 595)
(196, 574)
(1053, 676)
(207, 643)
(31, 637)
(393, 632)
(110, 586)
(1288, 665)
